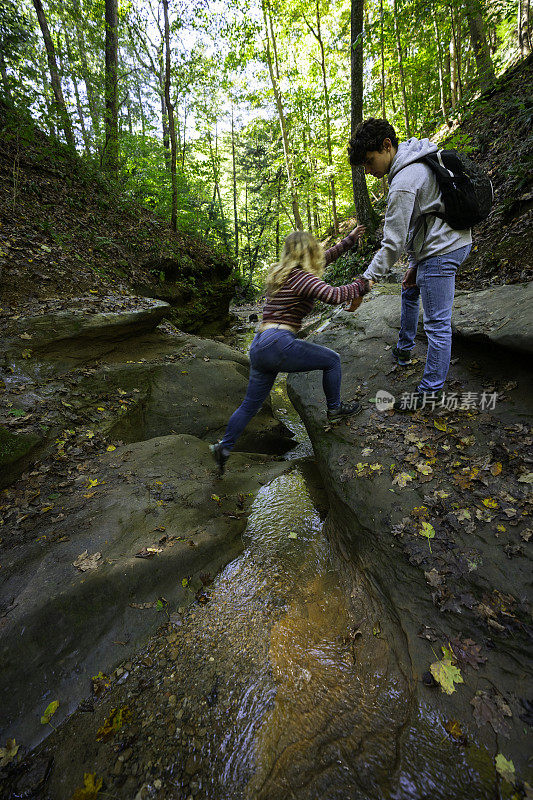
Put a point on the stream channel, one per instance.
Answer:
(291, 681)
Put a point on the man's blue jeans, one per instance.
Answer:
(277, 350)
(435, 284)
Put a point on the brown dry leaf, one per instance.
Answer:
(402, 479)
(491, 710)
(85, 562)
(496, 468)
(467, 652)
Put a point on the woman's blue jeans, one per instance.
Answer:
(278, 350)
(435, 284)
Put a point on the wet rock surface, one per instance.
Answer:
(120, 500)
(435, 509)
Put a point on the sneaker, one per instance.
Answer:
(402, 357)
(416, 401)
(343, 411)
(221, 455)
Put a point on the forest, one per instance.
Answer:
(332, 600)
(231, 119)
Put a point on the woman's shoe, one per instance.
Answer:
(221, 455)
(402, 357)
(344, 410)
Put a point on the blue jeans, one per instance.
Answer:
(435, 283)
(277, 350)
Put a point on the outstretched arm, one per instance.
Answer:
(333, 253)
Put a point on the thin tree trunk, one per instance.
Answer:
(441, 70)
(54, 74)
(365, 213)
(217, 189)
(478, 40)
(110, 151)
(523, 27)
(234, 170)
(91, 97)
(318, 36)
(277, 216)
(5, 80)
(141, 111)
(283, 126)
(84, 133)
(400, 65)
(164, 110)
(172, 130)
(383, 110)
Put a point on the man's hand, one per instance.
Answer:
(357, 232)
(409, 279)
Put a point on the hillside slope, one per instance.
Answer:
(65, 232)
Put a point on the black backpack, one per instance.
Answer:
(466, 189)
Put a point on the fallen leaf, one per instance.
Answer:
(491, 710)
(402, 479)
(111, 448)
(91, 787)
(489, 502)
(441, 426)
(454, 729)
(85, 562)
(428, 531)
(447, 674)
(424, 469)
(293, 535)
(526, 478)
(505, 768)
(467, 652)
(49, 712)
(496, 468)
(8, 753)
(113, 723)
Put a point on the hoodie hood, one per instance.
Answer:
(410, 151)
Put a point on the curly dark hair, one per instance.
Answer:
(369, 135)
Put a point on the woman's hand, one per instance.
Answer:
(357, 232)
(409, 279)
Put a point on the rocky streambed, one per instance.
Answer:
(259, 636)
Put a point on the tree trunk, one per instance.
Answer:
(523, 27)
(110, 151)
(318, 36)
(235, 218)
(141, 111)
(54, 75)
(283, 126)
(365, 213)
(5, 80)
(91, 97)
(383, 109)
(172, 130)
(164, 110)
(217, 189)
(478, 40)
(400, 65)
(84, 132)
(441, 70)
(184, 134)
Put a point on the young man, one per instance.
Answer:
(434, 249)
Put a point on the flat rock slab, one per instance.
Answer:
(62, 625)
(502, 315)
(51, 333)
(435, 508)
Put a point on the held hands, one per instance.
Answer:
(409, 279)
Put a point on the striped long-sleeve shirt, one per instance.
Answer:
(295, 299)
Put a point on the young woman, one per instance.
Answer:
(292, 286)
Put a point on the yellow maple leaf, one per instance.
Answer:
(92, 786)
(402, 479)
(446, 674)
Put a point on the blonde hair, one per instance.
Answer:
(302, 250)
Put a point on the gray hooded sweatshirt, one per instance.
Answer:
(413, 191)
